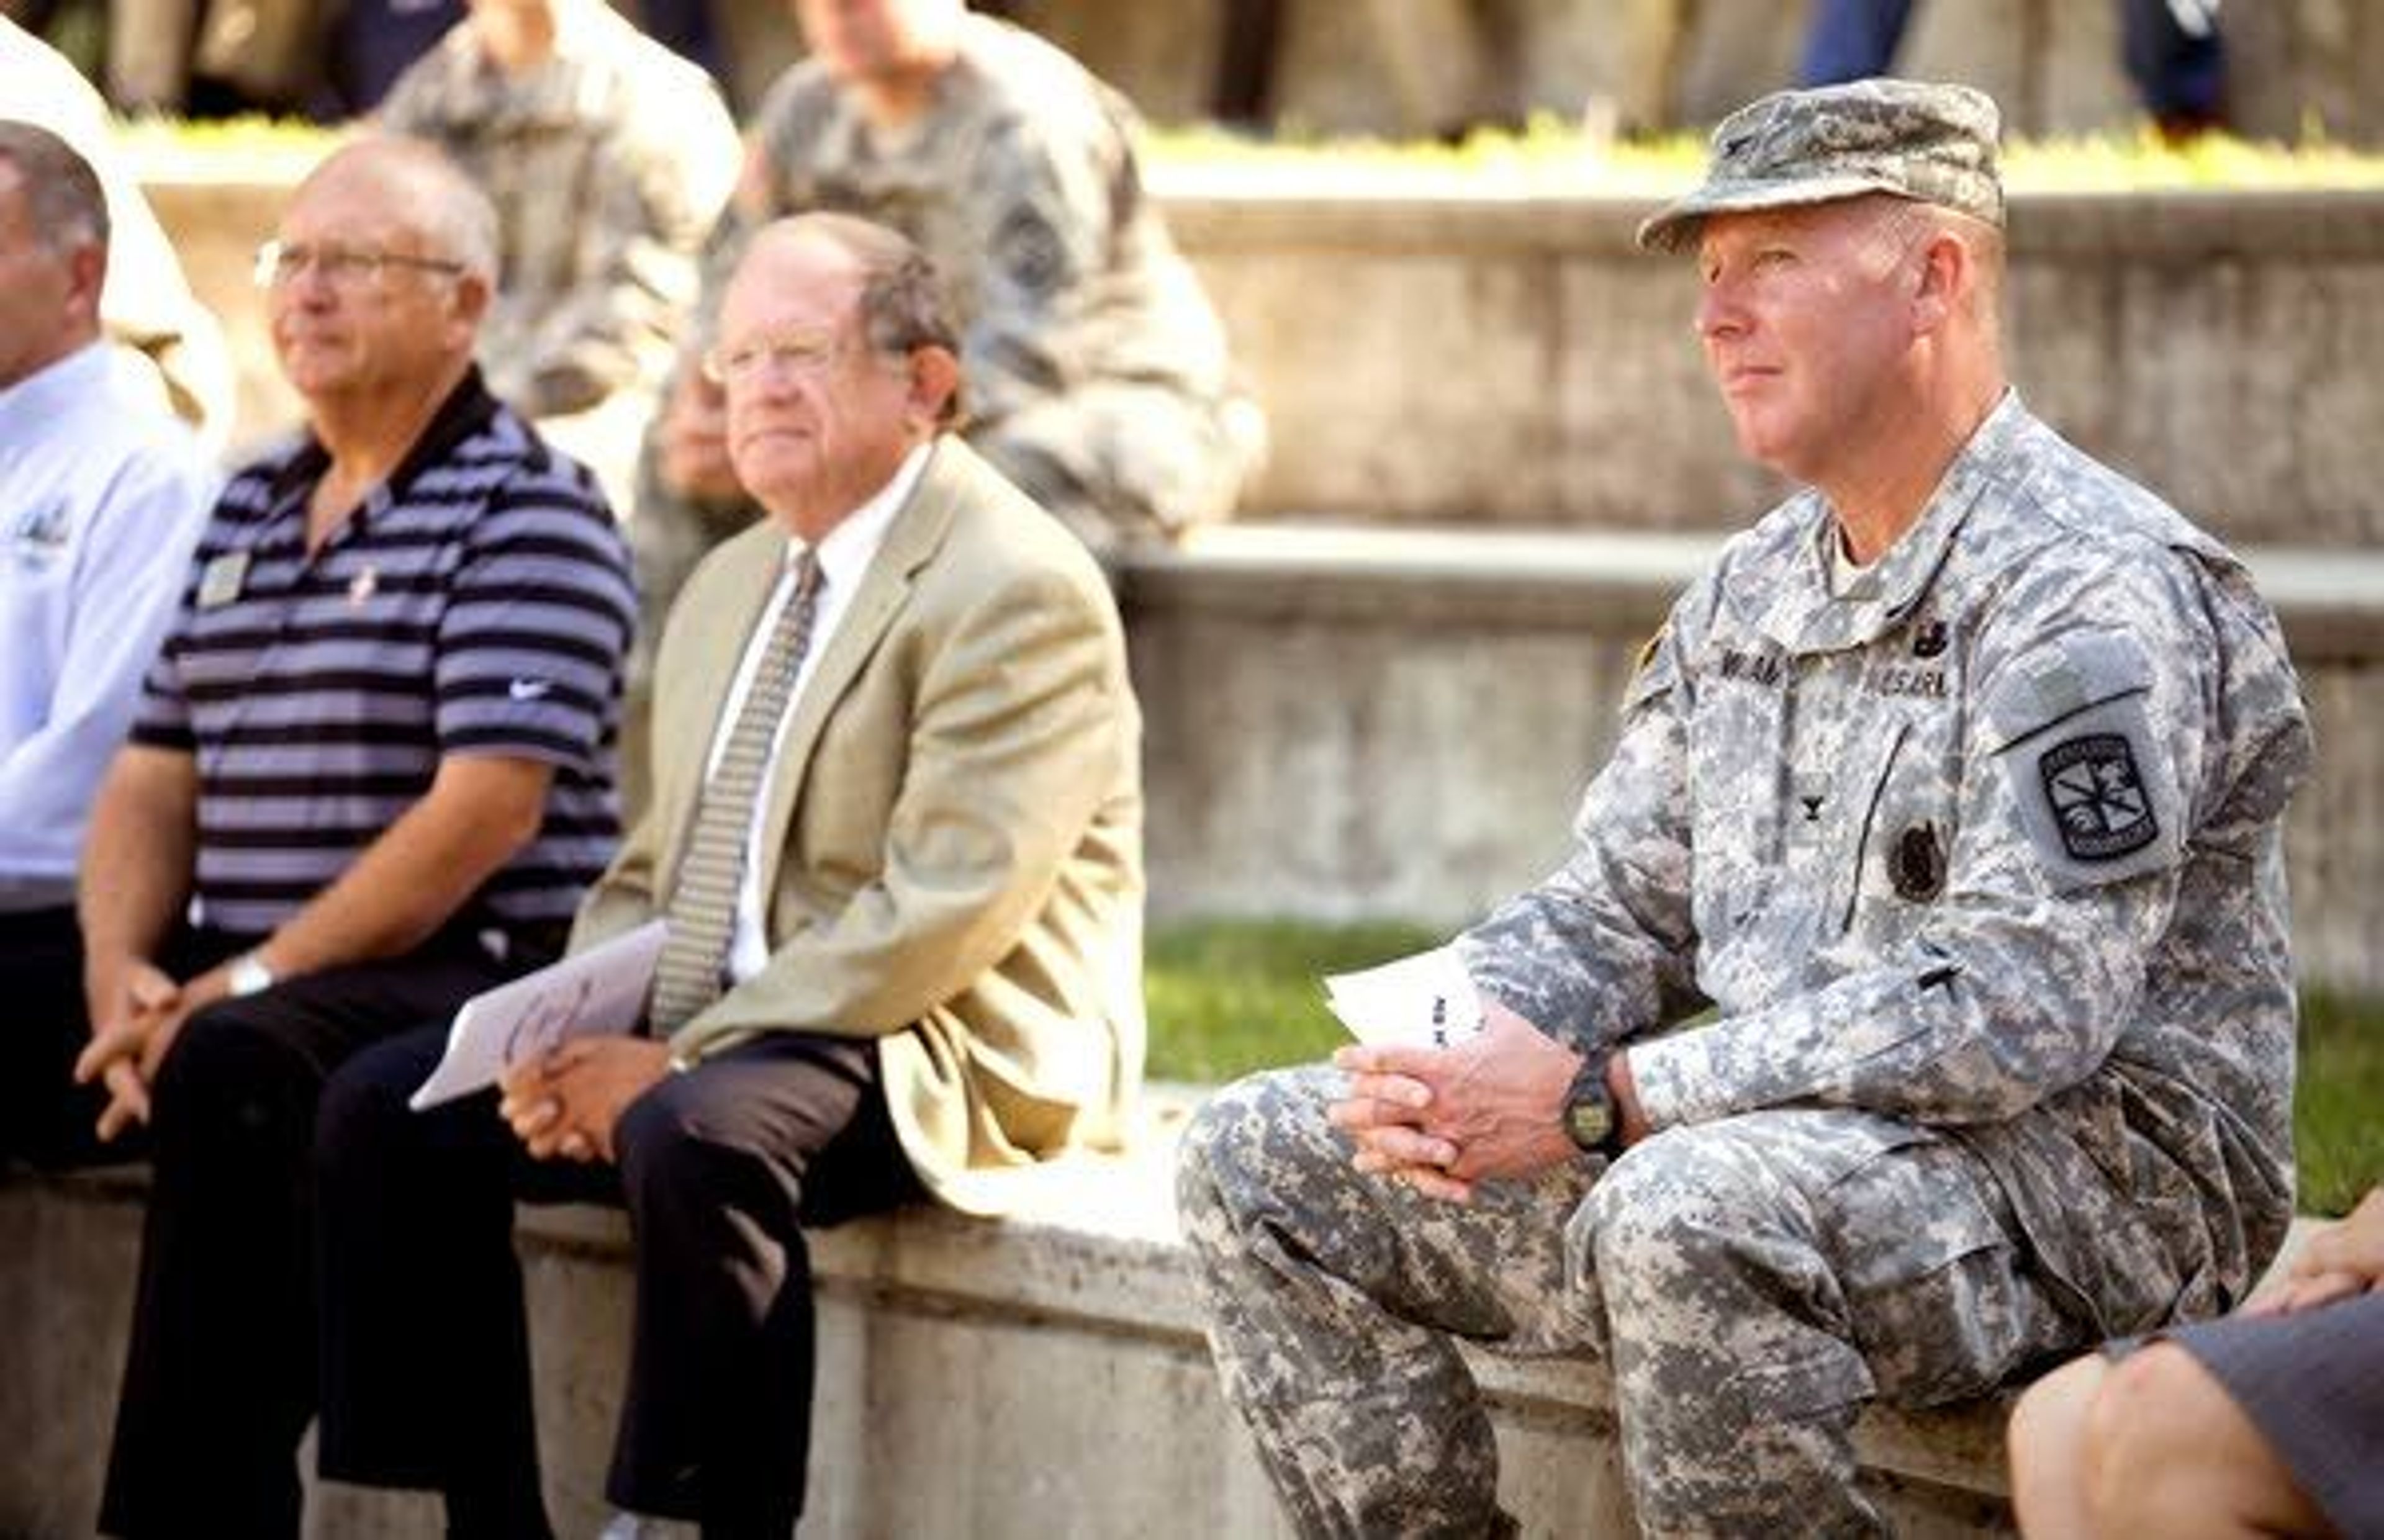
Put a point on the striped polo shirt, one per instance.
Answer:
(479, 601)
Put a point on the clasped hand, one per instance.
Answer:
(135, 1022)
(1443, 1119)
(568, 1101)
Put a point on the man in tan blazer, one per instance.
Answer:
(896, 832)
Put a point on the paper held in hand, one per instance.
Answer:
(1427, 1001)
(601, 989)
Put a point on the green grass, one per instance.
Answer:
(1230, 997)
(2338, 1104)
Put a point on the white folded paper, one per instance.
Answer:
(601, 989)
(1426, 1000)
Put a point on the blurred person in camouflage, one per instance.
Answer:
(1097, 371)
(1954, 788)
(607, 158)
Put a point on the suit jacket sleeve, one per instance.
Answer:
(1021, 714)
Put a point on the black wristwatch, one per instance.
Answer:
(1590, 1119)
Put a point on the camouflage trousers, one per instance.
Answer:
(1751, 1281)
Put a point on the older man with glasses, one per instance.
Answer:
(895, 832)
(371, 775)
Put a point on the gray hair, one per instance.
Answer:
(62, 191)
(904, 305)
(444, 206)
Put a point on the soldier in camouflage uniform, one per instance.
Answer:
(1097, 375)
(1955, 789)
(608, 157)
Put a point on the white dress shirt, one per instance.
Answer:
(102, 493)
(844, 556)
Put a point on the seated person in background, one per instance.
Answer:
(374, 759)
(607, 158)
(1097, 370)
(897, 832)
(148, 305)
(101, 493)
(1955, 788)
(2269, 1421)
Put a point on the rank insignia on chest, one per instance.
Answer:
(1929, 639)
(2098, 797)
(1916, 863)
(1762, 667)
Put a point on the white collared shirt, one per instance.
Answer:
(102, 495)
(844, 556)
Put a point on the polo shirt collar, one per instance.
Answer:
(465, 412)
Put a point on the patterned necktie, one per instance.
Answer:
(702, 909)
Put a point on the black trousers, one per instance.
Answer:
(45, 1117)
(424, 1349)
(219, 1379)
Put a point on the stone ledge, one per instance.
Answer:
(1062, 1346)
(1227, 209)
(2332, 602)
(1347, 721)
(1435, 349)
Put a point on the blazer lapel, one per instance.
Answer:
(912, 539)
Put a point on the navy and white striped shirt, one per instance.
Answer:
(477, 602)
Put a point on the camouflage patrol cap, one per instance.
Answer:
(1935, 143)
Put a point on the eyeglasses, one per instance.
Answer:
(348, 269)
(804, 355)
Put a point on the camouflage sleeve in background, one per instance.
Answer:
(606, 165)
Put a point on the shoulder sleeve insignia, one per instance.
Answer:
(2098, 797)
(1653, 673)
(2094, 782)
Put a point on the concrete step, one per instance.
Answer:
(1442, 348)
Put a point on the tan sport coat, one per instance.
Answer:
(954, 827)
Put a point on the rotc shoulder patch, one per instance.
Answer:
(2098, 797)
(2093, 785)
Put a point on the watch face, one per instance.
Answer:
(1589, 1119)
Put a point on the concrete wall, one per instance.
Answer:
(1349, 723)
(1041, 1378)
(1478, 357)
(1461, 357)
